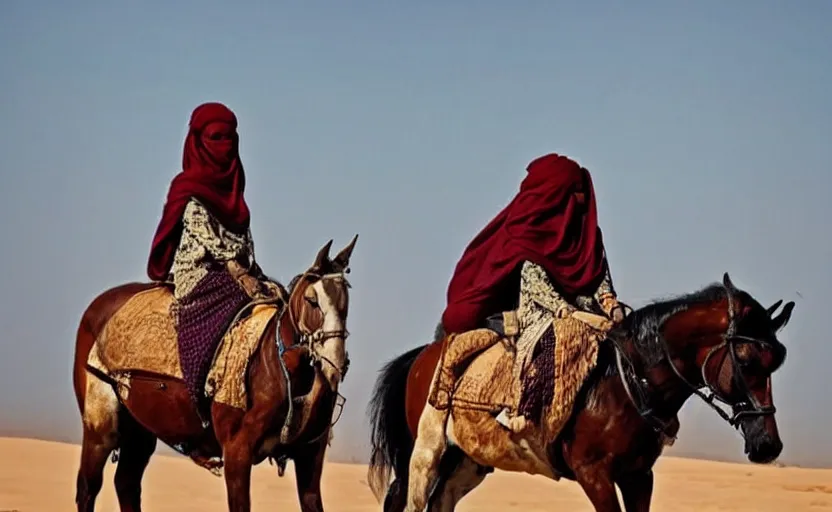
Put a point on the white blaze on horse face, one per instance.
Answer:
(332, 350)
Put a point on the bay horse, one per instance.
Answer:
(309, 335)
(718, 343)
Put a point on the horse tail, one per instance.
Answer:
(391, 441)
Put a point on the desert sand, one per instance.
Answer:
(39, 476)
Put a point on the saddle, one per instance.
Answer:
(141, 338)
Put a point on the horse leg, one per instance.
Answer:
(94, 453)
(238, 459)
(100, 419)
(309, 465)
(136, 447)
(431, 441)
(464, 478)
(637, 491)
(396, 497)
(596, 481)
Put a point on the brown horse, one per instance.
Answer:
(310, 331)
(718, 343)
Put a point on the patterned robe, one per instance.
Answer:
(206, 244)
(207, 296)
(539, 304)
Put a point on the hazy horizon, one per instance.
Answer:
(706, 127)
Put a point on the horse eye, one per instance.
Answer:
(749, 363)
(311, 300)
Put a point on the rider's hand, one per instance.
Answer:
(235, 269)
(617, 314)
(613, 309)
(273, 290)
(251, 286)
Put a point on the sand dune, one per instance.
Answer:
(39, 476)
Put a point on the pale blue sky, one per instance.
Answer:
(703, 123)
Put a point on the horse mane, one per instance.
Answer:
(294, 282)
(643, 326)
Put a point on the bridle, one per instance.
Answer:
(638, 390)
(314, 340)
(311, 341)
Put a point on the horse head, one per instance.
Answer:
(318, 307)
(722, 344)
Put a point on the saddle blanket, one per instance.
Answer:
(141, 336)
(487, 380)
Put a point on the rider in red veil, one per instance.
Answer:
(541, 257)
(203, 242)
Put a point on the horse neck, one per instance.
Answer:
(666, 392)
(687, 334)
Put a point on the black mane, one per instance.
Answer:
(293, 283)
(644, 325)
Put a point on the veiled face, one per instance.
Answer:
(220, 139)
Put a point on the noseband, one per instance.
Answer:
(707, 391)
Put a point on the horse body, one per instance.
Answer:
(159, 407)
(721, 339)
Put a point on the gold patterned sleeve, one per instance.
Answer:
(207, 232)
(536, 285)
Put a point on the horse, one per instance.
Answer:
(302, 353)
(718, 343)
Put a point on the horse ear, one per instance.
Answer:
(783, 318)
(342, 259)
(726, 281)
(323, 256)
(774, 307)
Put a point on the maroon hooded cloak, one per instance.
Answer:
(546, 224)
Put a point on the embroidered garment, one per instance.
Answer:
(537, 389)
(540, 303)
(207, 296)
(205, 243)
